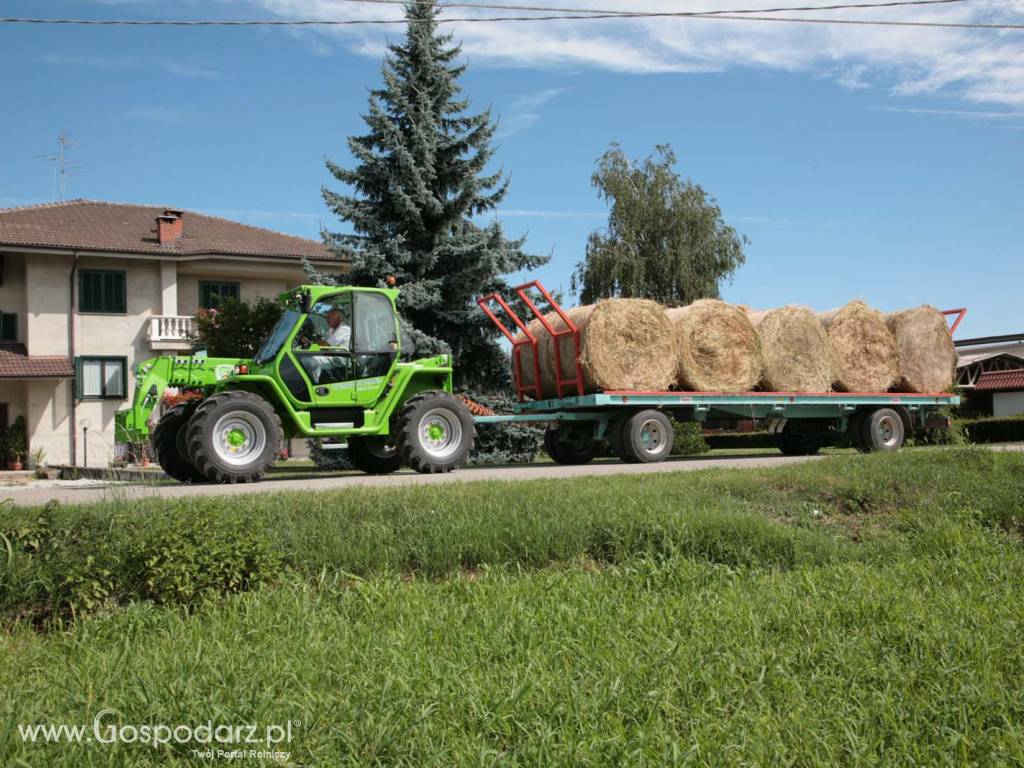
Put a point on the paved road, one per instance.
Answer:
(67, 494)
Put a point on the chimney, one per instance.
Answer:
(168, 227)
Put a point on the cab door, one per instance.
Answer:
(323, 350)
(375, 345)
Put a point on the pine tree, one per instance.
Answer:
(420, 178)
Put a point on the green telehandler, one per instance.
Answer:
(332, 367)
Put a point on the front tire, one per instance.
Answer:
(170, 446)
(234, 437)
(883, 431)
(568, 445)
(798, 439)
(434, 432)
(374, 455)
(647, 437)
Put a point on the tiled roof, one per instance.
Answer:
(93, 225)
(1001, 381)
(16, 364)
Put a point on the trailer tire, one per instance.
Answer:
(615, 430)
(234, 437)
(882, 431)
(371, 454)
(434, 432)
(647, 437)
(170, 446)
(566, 448)
(797, 439)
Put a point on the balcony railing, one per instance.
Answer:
(171, 331)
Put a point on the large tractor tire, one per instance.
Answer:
(374, 455)
(570, 444)
(234, 437)
(434, 432)
(169, 445)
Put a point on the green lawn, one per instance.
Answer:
(861, 610)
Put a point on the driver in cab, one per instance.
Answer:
(338, 332)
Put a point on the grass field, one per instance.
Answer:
(853, 611)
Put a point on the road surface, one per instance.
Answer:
(83, 494)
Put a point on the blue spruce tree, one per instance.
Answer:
(421, 176)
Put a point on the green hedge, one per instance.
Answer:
(1008, 429)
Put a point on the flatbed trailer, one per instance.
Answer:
(638, 425)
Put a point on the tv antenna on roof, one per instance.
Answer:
(62, 166)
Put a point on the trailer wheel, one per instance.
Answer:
(569, 445)
(374, 455)
(855, 431)
(169, 444)
(434, 432)
(882, 430)
(647, 437)
(234, 437)
(797, 439)
(615, 431)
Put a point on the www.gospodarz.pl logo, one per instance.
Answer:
(209, 738)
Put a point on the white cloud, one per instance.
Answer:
(524, 111)
(978, 66)
(960, 114)
(158, 115)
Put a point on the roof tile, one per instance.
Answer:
(115, 227)
(1001, 381)
(15, 363)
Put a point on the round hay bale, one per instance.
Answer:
(924, 346)
(863, 349)
(526, 356)
(795, 349)
(718, 348)
(625, 344)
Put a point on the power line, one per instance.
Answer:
(556, 14)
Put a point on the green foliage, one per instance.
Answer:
(14, 441)
(689, 439)
(328, 456)
(665, 240)
(855, 611)
(420, 180)
(1007, 429)
(504, 443)
(742, 440)
(236, 328)
(63, 562)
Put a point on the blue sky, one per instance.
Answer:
(886, 165)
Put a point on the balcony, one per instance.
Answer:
(171, 332)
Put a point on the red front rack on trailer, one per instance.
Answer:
(573, 381)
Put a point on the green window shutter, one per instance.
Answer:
(211, 295)
(9, 326)
(102, 291)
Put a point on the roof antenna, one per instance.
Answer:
(62, 166)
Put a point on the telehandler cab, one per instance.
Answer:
(332, 367)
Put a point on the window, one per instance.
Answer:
(212, 294)
(323, 343)
(101, 377)
(8, 326)
(376, 331)
(102, 291)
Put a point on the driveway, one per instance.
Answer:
(74, 492)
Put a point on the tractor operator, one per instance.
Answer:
(338, 332)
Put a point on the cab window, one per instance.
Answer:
(376, 335)
(323, 346)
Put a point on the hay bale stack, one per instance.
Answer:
(718, 348)
(863, 349)
(625, 344)
(526, 352)
(924, 347)
(795, 348)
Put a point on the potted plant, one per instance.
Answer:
(15, 443)
(38, 461)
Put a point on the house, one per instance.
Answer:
(89, 288)
(990, 374)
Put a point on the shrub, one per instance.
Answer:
(742, 440)
(1006, 429)
(236, 328)
(689, 439)
(328, 456)
(506, 443)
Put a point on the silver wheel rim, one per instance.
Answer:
(239, 438)
(440, 433)
(652, 436)
(887, 432)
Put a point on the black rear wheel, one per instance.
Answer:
(567, 444)
(234, 437)
(374, 455)
(169, 448)
(799, 439)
